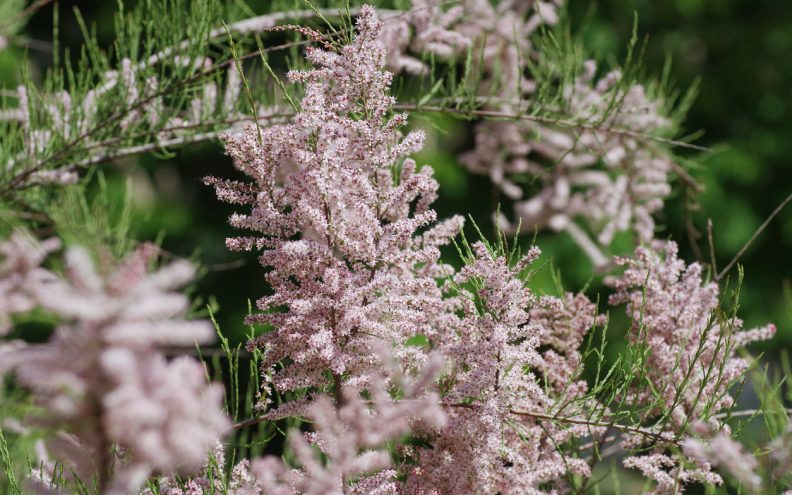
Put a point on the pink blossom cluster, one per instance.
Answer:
(351, 436)
(595, 170)
(692, 347)
(338, 208)
(21, 274)
(691, 363)
(781, 453)
(705, 449)
(343, 219)
(601, 173)
(425, 28)
(118, 409)
(722, 451)
(669, 472)
(502, 382)
(499, 36)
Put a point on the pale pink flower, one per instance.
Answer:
(100, 381)
(499, 36)
(337, 207)
(781, 452)
(723, 452)
(691, 363)
(667, 473)
(21, 274)
(601, 178)
(424, 29)
(498, 372)
(352, 437)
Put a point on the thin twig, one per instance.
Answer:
(690, 205)
(535, 415)
(34, 44)
(145, 148)
(711, 244)
(170, 143)
(587, 245)
(754, 236)
(687, 178)
(598, 443)
(247, 423)
(565, 123)
(224, 267)
(595, 424)
(749, 412)
(32, 8)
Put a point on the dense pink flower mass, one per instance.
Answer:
(352, 438)
(101, 382)
(722, 451)
(691, 363)
(492, 443)
(338, 207)
(692, 347)
(594, 168)
(668, 473)
(499, 35)
(394, 373)
(602, 173)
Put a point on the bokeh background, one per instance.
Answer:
(739, 52)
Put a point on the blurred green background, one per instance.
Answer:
(740, 51)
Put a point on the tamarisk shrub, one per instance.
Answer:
(404, 375)
(349, 271)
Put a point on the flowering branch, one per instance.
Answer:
(654, 434)
(552, 121)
